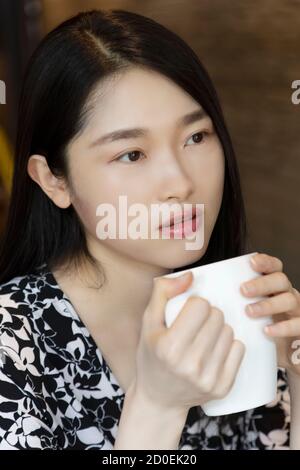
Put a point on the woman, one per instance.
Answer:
(87, 362)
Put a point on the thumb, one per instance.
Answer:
(164, 289)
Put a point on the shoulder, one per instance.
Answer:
(23, 299)
(26, 290)
(33, 314)
(18, 299)
(17, 341)
(21, 371)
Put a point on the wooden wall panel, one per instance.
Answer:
(251, 49)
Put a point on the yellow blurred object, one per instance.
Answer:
(6, 162)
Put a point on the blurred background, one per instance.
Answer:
(251, 50)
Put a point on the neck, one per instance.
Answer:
(121, 294)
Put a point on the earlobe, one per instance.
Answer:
(55, 188)
(61, 199)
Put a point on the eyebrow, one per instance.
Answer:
(136, 132)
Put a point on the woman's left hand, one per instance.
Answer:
(283, 303)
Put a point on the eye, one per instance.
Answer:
(133, 156)
(200, 136)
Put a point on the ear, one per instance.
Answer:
(55, 188)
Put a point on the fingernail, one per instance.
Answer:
(253, 260)
(183, 276)
(253, 309)
(248, 288)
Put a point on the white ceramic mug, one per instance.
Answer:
(256, 381)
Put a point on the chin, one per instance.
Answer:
(180, 260)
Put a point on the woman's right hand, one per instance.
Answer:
(193, 361)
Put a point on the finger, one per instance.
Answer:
(188, 322)
(207, 337)
(164, 289)
(219, 353)
(296, 293)
(266, 285)
(287, 328)
(272, 305)
(264, 263)
(230, 369)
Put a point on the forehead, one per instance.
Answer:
(138, 97)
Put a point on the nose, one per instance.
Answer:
(174, 182)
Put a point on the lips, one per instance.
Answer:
(179, 218)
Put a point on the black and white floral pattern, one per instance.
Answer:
(57, 391)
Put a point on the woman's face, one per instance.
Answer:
(169, 164)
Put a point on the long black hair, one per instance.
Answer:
(68, 63)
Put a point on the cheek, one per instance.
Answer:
(208, 166)
(86, 211)
(217, 184)
(88, 193)
(91, 192)
(211, 187)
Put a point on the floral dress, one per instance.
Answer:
(58, 392)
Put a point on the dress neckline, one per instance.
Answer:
(46, 271)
